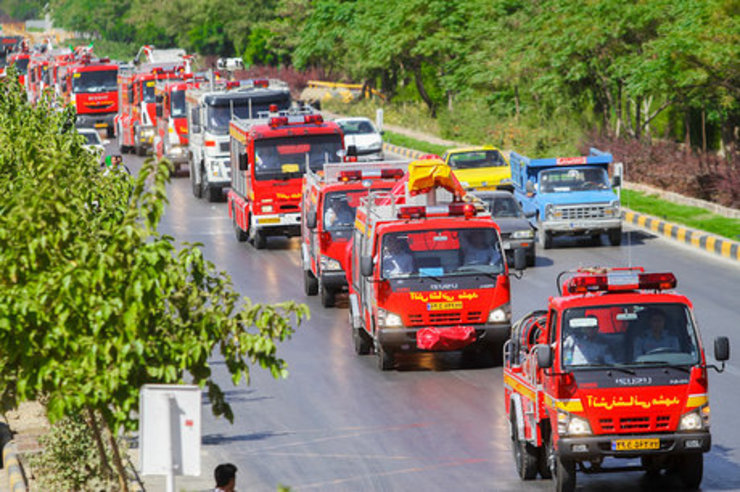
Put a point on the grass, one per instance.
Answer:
(412, 143)
(694, 217)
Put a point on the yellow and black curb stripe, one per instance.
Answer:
(693, 237)
(403, 151)
(11, 463)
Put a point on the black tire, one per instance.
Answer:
(525, 455)
(615, 237)
(140, 150)
(240, 235)
(531, 260)
(563, 471)
(328, 297)
(197, 188)
(691, 469)
(109, 132)
(542, 466)
(310, 283)
(363, 344)
(596, 239)
(385, 358)
(214, 194)
(259, 240)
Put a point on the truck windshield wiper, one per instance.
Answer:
(623, 369)
(663, 363)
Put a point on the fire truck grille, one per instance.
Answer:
(289, 208)
(634, 424)
(445, 318)
(587, 212)
(99, 106)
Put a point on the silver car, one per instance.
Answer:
(516, 230)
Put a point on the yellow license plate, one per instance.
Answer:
(101, 125)
(444, 306)
(635, 444)
(269, 220)
(487, 188)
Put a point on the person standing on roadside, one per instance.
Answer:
(225, 476)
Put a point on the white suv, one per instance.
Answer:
(361, 133)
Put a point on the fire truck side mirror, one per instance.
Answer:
(722, 349)
(366, 266)
(311, 219)
(544, 356)
(351, 151)
(243, 162)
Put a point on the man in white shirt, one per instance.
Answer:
(587, 348)
(656, 338)
(397, 261)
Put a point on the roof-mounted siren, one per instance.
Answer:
(618, 279)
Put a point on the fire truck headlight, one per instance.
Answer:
(523, 234)
(578, 426)
(267, 209)
(328, 263)
(691, 421)
(500, 315)
(389, 320)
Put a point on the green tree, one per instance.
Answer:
(94, 302)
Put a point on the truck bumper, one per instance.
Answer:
(334, 280)
(278, 224)
(584, 448)
(582, 226)
(404, 339)
(102, 120)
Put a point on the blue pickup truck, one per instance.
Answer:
(568, 196)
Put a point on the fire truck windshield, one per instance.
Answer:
(219, 114)
(94, 81)
(340, 208)
(441, 253)
(285, 157)
(177, 104)
(573, 179)
(21, 64)
(628, 336)
(477, 158)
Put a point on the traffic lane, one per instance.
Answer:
(331, 389)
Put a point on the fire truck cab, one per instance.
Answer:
(171, 139)
(614, 367)
(268, 160)
(330, 200)
(427, 270)
(90, 85)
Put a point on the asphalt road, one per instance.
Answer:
(435, 424)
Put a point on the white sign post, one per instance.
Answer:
(379, 119)
(169, 431)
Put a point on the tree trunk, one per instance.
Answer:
(628, 123)
(422, 90)
(450, 99)
(120, 469)
(687, 128)
(703, 130)
(638, 113)
(93, 423)
(619, 109)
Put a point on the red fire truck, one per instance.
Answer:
(268, 159)
(613, 368)
(171, 139)
(8, 44)
(89, 84)
(20, 62)
(328, 216)
(136, 120)
(37, 78)
(427, 270)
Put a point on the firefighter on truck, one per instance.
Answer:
(427, 271)
(328, 216)
(268, 160)
(613, 368)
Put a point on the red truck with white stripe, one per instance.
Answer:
(613, 368)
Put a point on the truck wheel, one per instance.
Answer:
(544, 237)
(563, 471)
(109, 132)
(328, 297)
(531, 260)
(214, 194)
(691, 469)
(240, 235)
(310, 283)
(363, 343)
(385, 359)
(525, 455)
(259, 241)
(615, 237)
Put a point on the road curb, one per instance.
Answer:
(726, 248)
(692, 237)
(11, 462)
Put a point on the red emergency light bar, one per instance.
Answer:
(273, 108)
(358, 175)
(620, 281)
(313, 118)
(276, 121)
(452, 210)
(264, 83)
